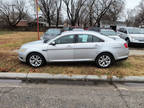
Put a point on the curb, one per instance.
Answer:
(44, 76)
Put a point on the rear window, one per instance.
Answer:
(108, 32)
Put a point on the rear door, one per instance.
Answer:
(86, 47)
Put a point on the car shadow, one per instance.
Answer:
(138, 46)
(75, 64)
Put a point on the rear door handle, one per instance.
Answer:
(96, 45)
(68, 46)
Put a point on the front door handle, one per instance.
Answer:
(69, 46)
(96, 45)
(45, 50)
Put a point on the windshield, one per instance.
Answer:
(134, 31)
(52, 32)
(108, 32)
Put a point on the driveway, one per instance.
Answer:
(137, 52)
(98, 95)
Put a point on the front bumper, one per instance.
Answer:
(134, 41)
(21, 57)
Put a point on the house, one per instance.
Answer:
(22, 23)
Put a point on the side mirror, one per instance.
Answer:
(45, 41)
(53, 43)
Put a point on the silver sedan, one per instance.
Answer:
(75, 46)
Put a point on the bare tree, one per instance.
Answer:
(13, 13)
(90, 11)
(58, 4)
(115, 10)
(73, 8)
(130, 20)
(102, 6)
(139, 18)
(97, 9)
(135, 17)
(48, 9)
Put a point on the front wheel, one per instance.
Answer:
(104, 60)
(36, 60)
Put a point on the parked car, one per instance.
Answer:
(132, 35)
(107, 32)
(50, 33)
(67, 29)
(96, 29)
(110, 33)
(75, 46)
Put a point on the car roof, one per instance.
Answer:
(84, 32)
(107, 29)
(79, 32)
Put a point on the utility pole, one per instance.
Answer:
(37, 9)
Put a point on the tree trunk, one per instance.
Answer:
(98, 22)
(73, 23)
(49, 22)
(90, 19)
(57, 22)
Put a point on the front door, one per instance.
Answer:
(63, 50)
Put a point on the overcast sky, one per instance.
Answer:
(130, 4)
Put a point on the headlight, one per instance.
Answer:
(22, 50)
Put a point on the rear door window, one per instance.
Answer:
(84, 38)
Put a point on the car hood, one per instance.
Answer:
(137, 36)
(35, 44)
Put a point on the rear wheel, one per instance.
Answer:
(104, 60)
(36, 60)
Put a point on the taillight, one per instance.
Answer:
(126, 45)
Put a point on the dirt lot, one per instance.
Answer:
(10, 63)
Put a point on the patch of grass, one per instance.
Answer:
(15, 40)
(10, 63)
(5, 32)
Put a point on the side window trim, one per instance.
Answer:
(76, 38)
(65, 36)
(98, 38)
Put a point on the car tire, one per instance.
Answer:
(36, 60)
(104, 60)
